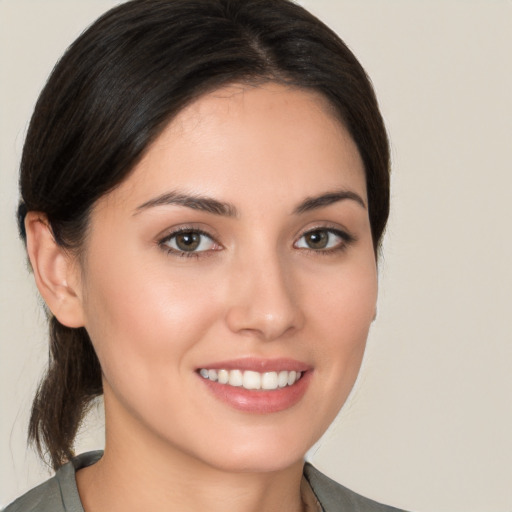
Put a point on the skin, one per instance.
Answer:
(257, 290)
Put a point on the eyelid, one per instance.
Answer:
(327, 226)
(346, 237)
(199, 227)
(171, 233)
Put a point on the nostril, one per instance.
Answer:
(251, 321)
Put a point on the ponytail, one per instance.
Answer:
(71, 382)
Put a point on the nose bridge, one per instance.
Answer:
(264, 298)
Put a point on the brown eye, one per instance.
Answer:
(189, 242)
(317, 239)
(323, 240)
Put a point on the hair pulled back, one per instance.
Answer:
(111, 95)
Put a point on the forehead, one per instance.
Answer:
(270, 140)
(243, 102)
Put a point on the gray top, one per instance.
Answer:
(60, 493)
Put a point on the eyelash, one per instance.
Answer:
(346, 240)
(187, 254)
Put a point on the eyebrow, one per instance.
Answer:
(210, 205)
(323, 200)
(196, 202)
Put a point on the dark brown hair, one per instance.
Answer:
(111, 95)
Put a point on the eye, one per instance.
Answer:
(323, 239)
(188, 241)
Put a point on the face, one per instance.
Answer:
(229, 283)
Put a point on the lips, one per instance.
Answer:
(257, 385)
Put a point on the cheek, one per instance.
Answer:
(343, 314)
(349, 294)
(140, 317)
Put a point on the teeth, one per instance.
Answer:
(282, 379)
(223, 376)
(252, 380)
(269, 380)
(235, 378)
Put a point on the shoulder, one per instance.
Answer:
(58, 494)
(43, 498)
(335, 498)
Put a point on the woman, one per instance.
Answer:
(204, 187)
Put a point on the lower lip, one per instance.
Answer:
(260, 401)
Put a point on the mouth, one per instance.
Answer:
(252, 380)
(258, 386)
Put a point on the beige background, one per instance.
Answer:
(430, 425)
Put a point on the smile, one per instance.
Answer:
(252, 380)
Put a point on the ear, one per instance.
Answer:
(56, 271)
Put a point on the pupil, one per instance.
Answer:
(188, 241)
(317, 239)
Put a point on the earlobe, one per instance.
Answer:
(55, 271)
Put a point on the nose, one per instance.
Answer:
(264, 299)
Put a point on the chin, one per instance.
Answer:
(260, 453)
(269, 463)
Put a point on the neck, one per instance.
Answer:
(140, 473)
(126, 484)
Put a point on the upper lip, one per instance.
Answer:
(260, 365)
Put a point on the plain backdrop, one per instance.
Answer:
(429, 427)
